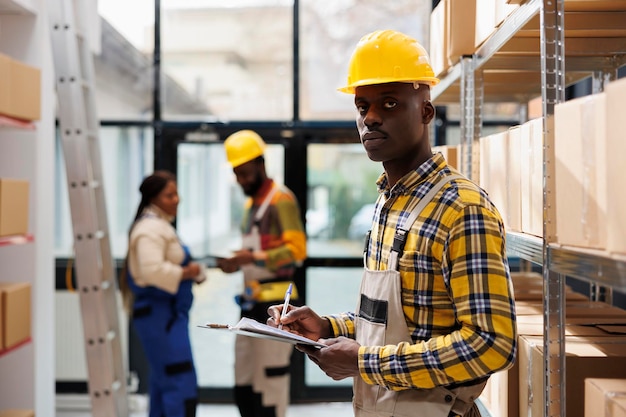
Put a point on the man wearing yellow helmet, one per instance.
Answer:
(274, 244)
(435, 316)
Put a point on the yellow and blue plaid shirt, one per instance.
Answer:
(456, 296)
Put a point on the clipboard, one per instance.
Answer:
(249, 327)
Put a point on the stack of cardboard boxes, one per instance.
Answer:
(595, 347)
(605, 397)
(19, 102)
(459, 27)
(589, 149)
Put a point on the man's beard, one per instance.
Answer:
(254, 187)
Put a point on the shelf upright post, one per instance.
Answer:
(471, 116)
(95, 274)
(553, 92)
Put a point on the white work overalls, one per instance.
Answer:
(381, 322)
(261, 363)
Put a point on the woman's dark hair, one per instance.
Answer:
(150, 187)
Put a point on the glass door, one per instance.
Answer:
(334, 182)
(209, 221)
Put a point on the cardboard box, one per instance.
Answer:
(536, 294)
(501, 394)
(617, 407)
(460, 23)
(450, 154)
(598, 395)
(536, 175)
(485, 15)
(26, 91)
(5, 84)
(1, 321)
(522, 277)
(587, 309)
(615, 151)
(484, 144)
(20, 89)
(594, 5)
(503, 10)
(529, 286)
(535, 108)
(513, 180)
(580, 172)
(13, 207)
(493, 170)
(531, 172)
(586, 357)
(17, 413)
(579, 326)
(439, 39)
(16, 313)
(608, 321)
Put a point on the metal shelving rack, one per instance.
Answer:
(532, 53)
(27, 152)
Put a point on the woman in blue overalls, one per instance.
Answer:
(157, 288)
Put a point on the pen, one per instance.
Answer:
(285, 305)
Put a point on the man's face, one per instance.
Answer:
(249, 177)
(392, 119)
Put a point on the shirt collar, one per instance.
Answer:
(426, 170)
(155, 211)
(264, 190)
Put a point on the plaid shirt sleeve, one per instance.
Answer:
(481, 338)
(342, 324)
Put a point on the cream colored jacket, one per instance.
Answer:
(155, 253)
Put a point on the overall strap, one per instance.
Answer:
(403, 227)
(265, 204)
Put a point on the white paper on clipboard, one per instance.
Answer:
(252, 328)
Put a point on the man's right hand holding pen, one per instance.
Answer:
(338, 360)
(300, 320)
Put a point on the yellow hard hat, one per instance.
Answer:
(388, 56)
(243, 146)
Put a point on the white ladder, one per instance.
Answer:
(95, 272)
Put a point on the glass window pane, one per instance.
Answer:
(342, 190)
(211, 209)
(124, 65)
(233, 59)
(126, 155)
(209, 221)
(329, 31)
(345, 283)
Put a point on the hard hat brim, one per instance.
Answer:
(349, 89)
